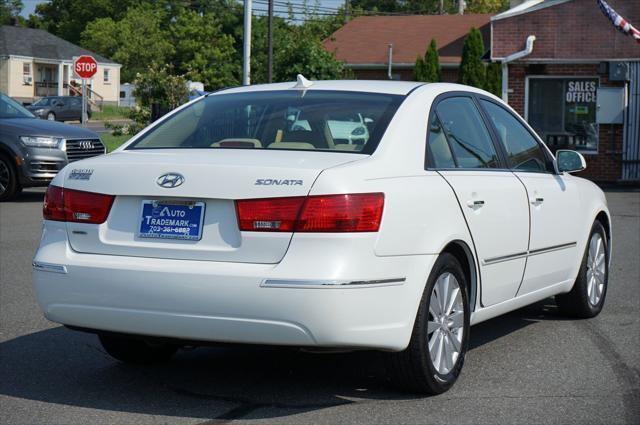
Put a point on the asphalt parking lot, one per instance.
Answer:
(531, 366)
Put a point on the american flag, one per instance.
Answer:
(618, 21)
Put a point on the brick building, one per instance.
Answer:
(382, 47)
(578, 83)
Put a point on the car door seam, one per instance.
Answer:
(526, 258)
(476, 260)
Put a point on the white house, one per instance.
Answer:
(35, 63)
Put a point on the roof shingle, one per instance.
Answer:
(37, 43)
(365, 39)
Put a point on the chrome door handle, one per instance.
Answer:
(475, 204)
(537, 201)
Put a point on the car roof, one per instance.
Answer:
(369, 86)
(366, 86)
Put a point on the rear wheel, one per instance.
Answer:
(9, 185)
(51, 116)
(137, 351)
(433, 360)
(586, 299)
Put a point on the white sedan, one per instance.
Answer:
(221, 222)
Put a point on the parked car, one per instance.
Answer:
(59, 108)
(32, 151)
(219, 223)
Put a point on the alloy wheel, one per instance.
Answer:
(596, 269)
(446, 323)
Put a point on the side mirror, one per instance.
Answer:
(570, 161)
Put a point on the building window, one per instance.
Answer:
(26, 72)
(563, 112)
(105, 75)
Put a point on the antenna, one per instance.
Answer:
(302, 83)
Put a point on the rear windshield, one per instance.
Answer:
(291, 119)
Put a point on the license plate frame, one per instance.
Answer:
(172, 212)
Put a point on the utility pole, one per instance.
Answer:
(246, 52)
(460, 7)
(441, 7)
(346, 11)
(270, 43)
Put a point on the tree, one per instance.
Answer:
(202, 52)
(159, 85)
(493, 83)
(69, 18)
(299, 53)
(9, 11)
(135, 41)
(472, 70)
(419, 70)
(486, 6)
(432, 69)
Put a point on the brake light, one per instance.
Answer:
(359, 212)
(269, 215)
(53, 208)
(76, 206)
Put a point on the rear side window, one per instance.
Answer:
(468, 137)
(523, 151)
(439, 146)
(288, 119)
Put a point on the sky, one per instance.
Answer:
(30, 5)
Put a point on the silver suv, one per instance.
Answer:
(32, 151)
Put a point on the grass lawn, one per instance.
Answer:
(112, 142)
(111, 112)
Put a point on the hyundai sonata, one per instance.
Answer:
(224, 222)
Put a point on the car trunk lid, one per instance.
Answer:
(212, 179)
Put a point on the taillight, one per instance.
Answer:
(53, 208)
(359, 212)
(76, 205)
(269, 215)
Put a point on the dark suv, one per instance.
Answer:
(59, 108)
(32, 151)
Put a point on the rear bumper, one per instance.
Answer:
(301, 301)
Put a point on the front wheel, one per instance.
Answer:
(9, 185)
(136, 351)
(51, 116)
(586, 299)
(433, 360)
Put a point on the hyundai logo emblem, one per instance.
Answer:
(170, 180)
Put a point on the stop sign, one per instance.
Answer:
(85, 66)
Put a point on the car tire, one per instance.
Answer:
(9, 184)
(51, 116)
(136, 351)
(415, 369)
(586, 298)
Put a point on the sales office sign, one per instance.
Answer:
(581, 91)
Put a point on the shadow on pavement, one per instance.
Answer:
(30, 195)
(66, 367)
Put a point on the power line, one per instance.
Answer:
(300, 9)
(302, 6)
